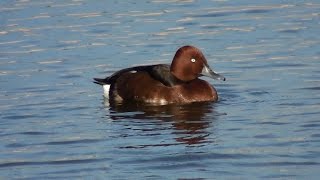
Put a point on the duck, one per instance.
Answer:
(162, 84)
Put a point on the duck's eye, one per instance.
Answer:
(193, 60)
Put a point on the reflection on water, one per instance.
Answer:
(189, 122)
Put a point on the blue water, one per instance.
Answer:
(55, 123)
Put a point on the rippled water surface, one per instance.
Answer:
(55, 124)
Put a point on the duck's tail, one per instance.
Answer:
(105, 85)
(101, 81)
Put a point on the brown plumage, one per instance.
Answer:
(164, 84)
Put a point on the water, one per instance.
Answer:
(56, 125)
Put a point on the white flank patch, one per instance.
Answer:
(157, 101)
(163, 102)
(106, 89)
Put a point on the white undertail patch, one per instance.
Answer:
(106, 89)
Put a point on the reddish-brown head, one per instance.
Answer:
(189, 63)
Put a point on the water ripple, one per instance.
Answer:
(52, 162)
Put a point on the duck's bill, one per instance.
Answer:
(207, 71)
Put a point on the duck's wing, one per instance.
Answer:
(159, 72)
(112, 79)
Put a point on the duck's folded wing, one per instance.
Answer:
(111, 79)
(161, 72)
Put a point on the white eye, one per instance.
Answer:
(193, 60)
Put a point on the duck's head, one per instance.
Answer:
(189, 63)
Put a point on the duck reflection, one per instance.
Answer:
(190, 121)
